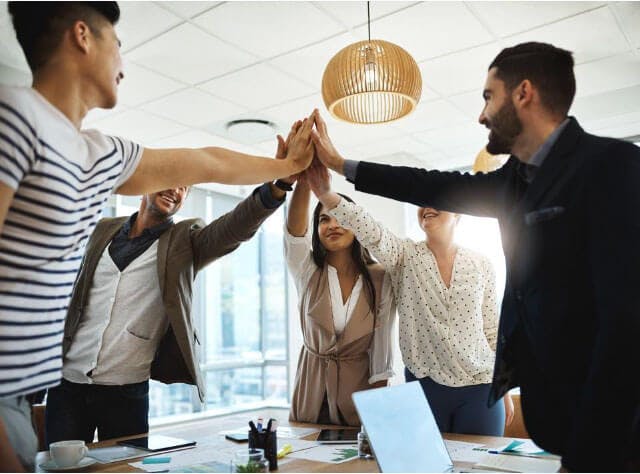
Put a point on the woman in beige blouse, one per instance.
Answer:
(447, 310)
(346, 314)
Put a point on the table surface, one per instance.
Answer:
(208, 427)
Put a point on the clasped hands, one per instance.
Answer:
(315, 160)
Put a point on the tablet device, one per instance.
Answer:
(338, 436)
(157, 443)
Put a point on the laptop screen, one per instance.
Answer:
(402, 430)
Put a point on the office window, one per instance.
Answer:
(240, 311)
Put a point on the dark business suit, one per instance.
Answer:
(569, 331)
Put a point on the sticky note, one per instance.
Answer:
(156, 460)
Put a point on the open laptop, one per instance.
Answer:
(402, 431)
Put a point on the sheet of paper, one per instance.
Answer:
(116, 453)
(461, 451)
(526, 447)
(505, 463)
(330, 453)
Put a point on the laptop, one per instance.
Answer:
(402, 431)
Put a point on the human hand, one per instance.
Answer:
(283, 145)
(325, 150)
(318, 178)
(509, 410)
(299, 150)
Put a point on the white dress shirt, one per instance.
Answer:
(448, 334)
(301, 266)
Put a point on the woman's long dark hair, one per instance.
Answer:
(359, 254)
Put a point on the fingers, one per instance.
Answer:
(281, 150)
(321, 125)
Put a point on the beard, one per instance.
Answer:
(505, 127)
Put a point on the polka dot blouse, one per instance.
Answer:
(448, 334)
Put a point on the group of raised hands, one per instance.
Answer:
(315, 158)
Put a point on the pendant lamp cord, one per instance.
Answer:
(369, 20)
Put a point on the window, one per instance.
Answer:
(240, 310)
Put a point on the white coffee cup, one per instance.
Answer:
(68, 453)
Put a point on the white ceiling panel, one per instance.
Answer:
(297, 109)
(133, 32)
(453, 137)
(188, 9)
(194, 108)
(430, 115)
(401, 144)
(355, 13)
(628, 14)
(616, 122)
(200, 139)
(351, 135)
(95, 115)
(188, 54)
(141, 85)
(508, 18)
(613, 73)
(471, 103)
(258, 87)
(459, 72)
(425, 30)
(310, 62)
(607, 104)
(141, 127)
(269, 28)
(589, 36)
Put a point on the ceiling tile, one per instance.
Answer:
(133, 32)
(141, 85)
(470, 68)
(621, 131)
(257, 87)
(194, 108)
(347, 135)
(618, 124)
(297, 109)
(269, 28)
(628, 14)
(425, 30)
(138, 126)
(430, 115)
(188, 9)
(309, 63)
(508, 18)
(447, 138)
(200, 139)
(613, 73)
(188, 54)
(471, 103)
(355, 13)
(401, 144)
(589, 36)
(608, 104)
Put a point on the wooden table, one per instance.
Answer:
(200, 429)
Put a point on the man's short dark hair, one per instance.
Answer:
(549, 69)
(40, 25)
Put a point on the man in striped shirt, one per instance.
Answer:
(54, 181)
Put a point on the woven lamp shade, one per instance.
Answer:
(371, 82)
(485, 162)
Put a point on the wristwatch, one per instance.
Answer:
(283, 185)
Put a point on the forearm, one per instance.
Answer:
(298, 216)
(170, 168)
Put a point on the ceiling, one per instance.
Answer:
(192, 66)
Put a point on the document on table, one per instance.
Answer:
(329, 453)
(507, 463)
(283, 431)
(460, 451)
(116, 453)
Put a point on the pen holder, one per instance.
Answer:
(268, 441)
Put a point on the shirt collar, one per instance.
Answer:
(528, 170)
(154, 231)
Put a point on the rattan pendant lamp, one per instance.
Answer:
(371, 81)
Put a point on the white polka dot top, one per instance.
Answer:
(448, 334)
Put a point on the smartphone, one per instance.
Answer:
(238, 437)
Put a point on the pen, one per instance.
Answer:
(260, 425)
(269, 424)
(253, 427)
(274, 426)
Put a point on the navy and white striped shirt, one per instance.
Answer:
(62, 179)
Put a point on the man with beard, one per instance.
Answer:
(130, 313)
(567, 203)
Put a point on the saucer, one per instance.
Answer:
(53, 467)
